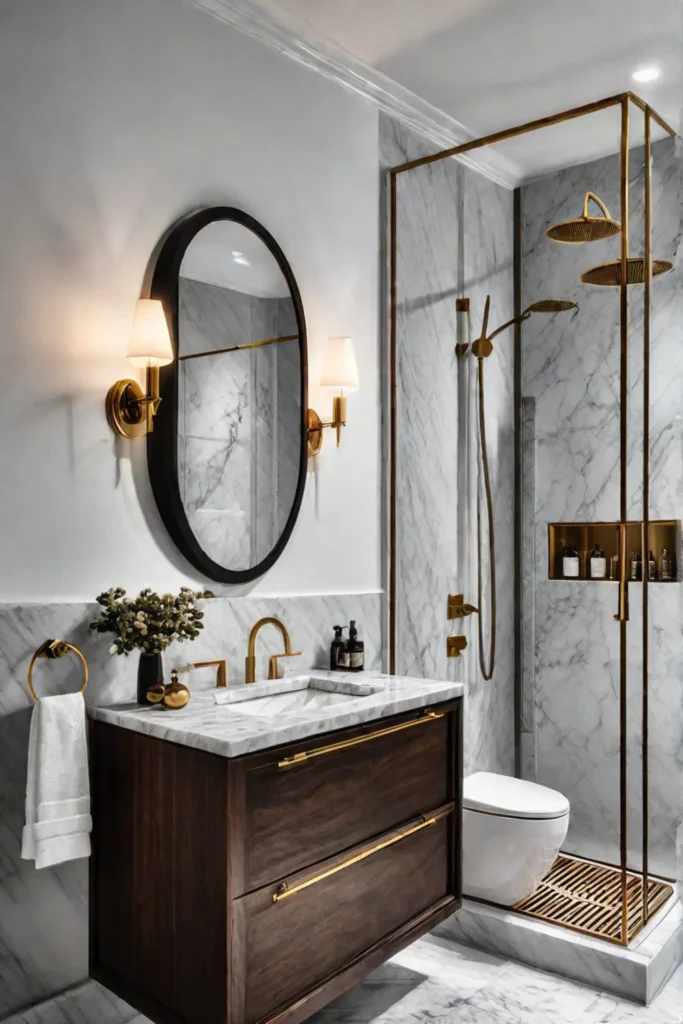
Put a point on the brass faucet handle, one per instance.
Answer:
(273, 666)
(455, 645)
(457, 608)
(221, 670)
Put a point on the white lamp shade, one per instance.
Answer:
(150, 342)
(340, 369)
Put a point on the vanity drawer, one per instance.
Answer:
(294, 938)
(309, 801)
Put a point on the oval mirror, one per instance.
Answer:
(227, 456)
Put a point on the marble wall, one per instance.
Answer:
(455, 238)
(43, 914)
(239, 420)
(571, 473)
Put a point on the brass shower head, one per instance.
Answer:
(609, 274)
(550, 306)
(584, 228)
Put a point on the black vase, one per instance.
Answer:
(150, 672)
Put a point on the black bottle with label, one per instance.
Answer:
(339, 655)
(356, 649)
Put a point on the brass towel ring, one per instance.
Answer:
(55, 649)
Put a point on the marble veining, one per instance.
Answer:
(432, 981)
(454, 239)
(570, 371)
(222, 729)
(637, 972)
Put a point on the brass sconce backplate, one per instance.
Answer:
(125, 400)
(315, 432)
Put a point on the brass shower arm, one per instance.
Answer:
(510, 323)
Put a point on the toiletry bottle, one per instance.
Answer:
(356, 649)
(614, 567)
(639, 565)
(339, 656)
(570, 563)
(598, 563)
(633, 565)
(666, 568)
(651, 567)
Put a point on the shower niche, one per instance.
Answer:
(664, 537)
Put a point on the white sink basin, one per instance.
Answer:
(294, 695)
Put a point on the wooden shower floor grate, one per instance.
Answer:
(586, 897)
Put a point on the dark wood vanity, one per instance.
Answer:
(259, 888)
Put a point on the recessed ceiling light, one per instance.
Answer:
(646, 74)
(239, 257)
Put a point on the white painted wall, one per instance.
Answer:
(116, 117)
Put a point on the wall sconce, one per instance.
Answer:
(341, 373)
(130, 410)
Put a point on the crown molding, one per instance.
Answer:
(262, 20)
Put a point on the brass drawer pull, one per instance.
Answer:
(289, 762)
(283, 892)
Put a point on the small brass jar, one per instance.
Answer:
(156, 693)
(177, 695)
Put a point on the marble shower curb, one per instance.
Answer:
(637, 973)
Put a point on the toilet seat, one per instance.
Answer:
(506, 797)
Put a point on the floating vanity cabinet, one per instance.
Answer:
(258, 888)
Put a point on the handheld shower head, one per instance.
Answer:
(550, 306)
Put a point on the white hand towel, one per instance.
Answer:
(58, 821)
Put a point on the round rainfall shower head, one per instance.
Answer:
(608, 275)
(584, 228)
(551, 306)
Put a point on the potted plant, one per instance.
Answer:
(149, 623)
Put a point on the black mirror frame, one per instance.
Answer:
(162, 443)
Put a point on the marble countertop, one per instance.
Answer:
(224, 729)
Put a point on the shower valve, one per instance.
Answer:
(455, 645)
(457, 609)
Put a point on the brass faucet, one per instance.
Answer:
(250, 663)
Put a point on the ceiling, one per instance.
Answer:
(491, 64)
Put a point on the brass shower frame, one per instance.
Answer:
(624, 101)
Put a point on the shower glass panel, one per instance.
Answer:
(594, 447)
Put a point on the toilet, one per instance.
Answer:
(512, 833)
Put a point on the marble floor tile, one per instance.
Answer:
(433, 981)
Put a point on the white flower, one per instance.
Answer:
(113, 649)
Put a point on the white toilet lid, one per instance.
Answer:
(513, 798)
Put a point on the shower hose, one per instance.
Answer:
(486, 671)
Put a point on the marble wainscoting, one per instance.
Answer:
(637, 972)
(454, 239)
(43, 914)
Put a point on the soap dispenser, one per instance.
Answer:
(356, 649)
(339, 655)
